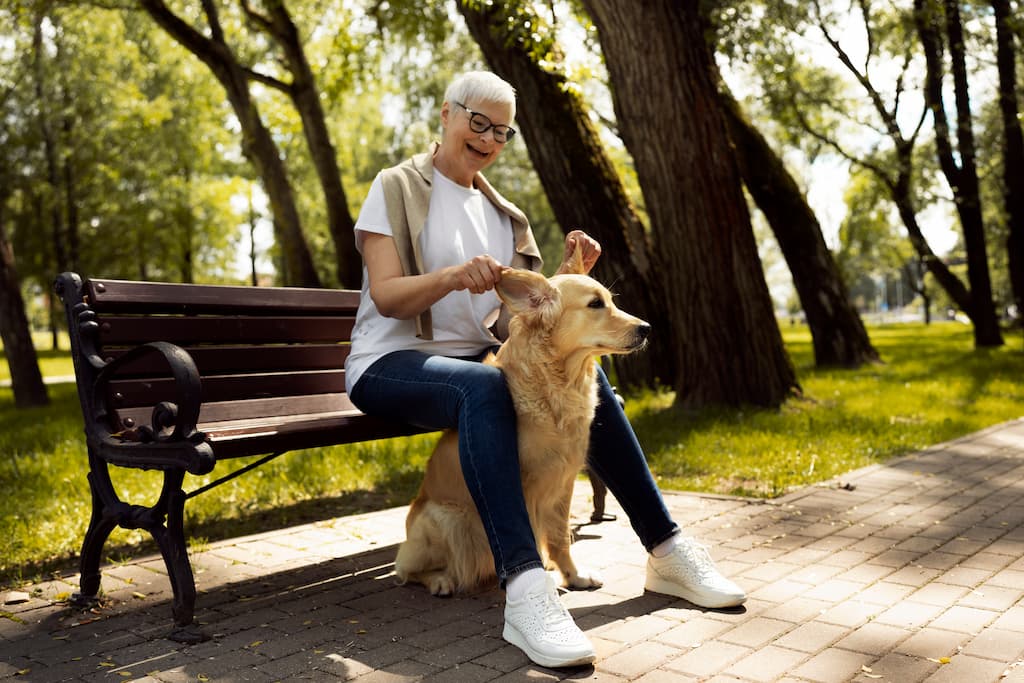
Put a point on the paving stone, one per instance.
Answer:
(812, 637)
(963, 668)
(964, 619)
(708, 659)
(933, 642)
(996, 643)
(898, 667)
(766, 664)
(991, 596)
(756, 632)
(638, 659)
(874, 639)
(832, 665)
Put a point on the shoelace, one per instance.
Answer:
(548, 604)
(699, 556)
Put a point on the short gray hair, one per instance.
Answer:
(481, 86)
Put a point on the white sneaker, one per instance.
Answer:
(688, 572)
(541, 627)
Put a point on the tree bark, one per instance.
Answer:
(26, 379)
(962, 179)
(1013, 150)
(837, 332)
(304, 94)
(581, 183)
(257, 143)
(729, 347)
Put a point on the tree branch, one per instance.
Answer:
(269, 81)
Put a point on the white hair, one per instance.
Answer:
(481, 86)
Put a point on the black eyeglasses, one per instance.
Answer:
(479, 123)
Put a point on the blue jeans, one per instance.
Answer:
(437, 392)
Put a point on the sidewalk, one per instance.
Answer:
(909, 571)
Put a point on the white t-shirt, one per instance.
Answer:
(461, 223)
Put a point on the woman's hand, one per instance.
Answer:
(405, 296)
(590, 250)
(478, 275)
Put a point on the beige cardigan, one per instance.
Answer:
(407, 189)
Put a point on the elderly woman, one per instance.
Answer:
(434, 236)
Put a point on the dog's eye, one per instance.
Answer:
(596, 302)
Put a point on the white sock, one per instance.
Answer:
(664, 548)
(518, 585)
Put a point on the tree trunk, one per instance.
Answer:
(257, 143)
(306, 97)
(962, 179)
(837, 331)
(26, 380)
(1013, 150)
(50, 152)
(581, 184)
(729, 347)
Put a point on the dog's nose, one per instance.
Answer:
(642, 331)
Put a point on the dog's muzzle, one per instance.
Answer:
(640, 335)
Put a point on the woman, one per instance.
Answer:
(434, 236)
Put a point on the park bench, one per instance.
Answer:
(177, 377)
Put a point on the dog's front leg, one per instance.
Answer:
(559, 539)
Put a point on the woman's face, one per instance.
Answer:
(465, 152)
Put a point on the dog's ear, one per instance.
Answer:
(527, 293)
(574, 261)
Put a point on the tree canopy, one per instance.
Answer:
(137, 132)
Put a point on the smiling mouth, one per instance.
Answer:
(473, 149)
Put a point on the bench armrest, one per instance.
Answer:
(172, 440)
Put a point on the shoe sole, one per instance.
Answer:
(511, 635)
(658, 585)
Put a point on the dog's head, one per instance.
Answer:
(574, 312)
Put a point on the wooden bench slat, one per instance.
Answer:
(160, 297)
(184, 330)
(213, 360)
(223, 412)
(313, 433)
(144, 392)
(240, 428)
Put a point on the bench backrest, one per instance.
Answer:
(260, 351)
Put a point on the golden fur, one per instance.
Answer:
(559, 327)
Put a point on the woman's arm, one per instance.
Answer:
(405, 296)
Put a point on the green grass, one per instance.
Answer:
(933, 386)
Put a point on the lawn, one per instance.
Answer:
(933, 386)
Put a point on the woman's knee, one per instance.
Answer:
(488, 391)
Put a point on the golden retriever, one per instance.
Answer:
(559, 327)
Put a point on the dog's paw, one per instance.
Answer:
(441, 586)
(583, 580)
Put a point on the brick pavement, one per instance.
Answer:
(909, 571)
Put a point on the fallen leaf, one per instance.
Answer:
(139, 596)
